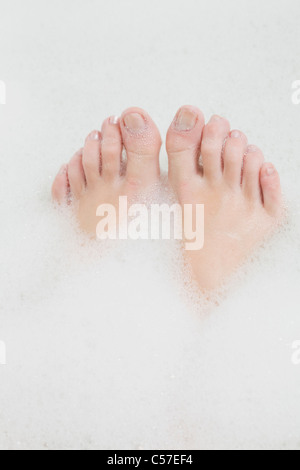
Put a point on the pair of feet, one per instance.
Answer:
(208, 164)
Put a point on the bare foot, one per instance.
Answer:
(241, 193)
(95, 175)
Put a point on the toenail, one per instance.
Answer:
(114, 120)
(235, 135)
(63, 170)
(95, 135)
(185, 120)
(252, 149)
(134, 122)
(269, 170)
(215, 118)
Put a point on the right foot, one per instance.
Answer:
(241, 194)
(96, 175)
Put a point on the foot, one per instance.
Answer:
(241, 193)
(96, 174)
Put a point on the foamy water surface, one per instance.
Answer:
(104, 348)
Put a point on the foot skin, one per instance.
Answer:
(96, 174)
(241, 193)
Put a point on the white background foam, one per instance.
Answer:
(104, 353)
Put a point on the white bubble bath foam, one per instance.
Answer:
(105, 348)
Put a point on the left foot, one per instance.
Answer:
(95, 175)
(241, 193)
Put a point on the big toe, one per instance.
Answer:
(183, 143)
(142, 142)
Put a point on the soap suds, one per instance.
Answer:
(103, 348)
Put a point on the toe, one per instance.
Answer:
(233, 157)
(111, 148)
(91, 157)
(214, 135)
(271, 190)
(76, 175)
(183, 143)
(253, 162)
(60, 187)
(142, 142)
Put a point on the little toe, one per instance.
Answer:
(271, 190)
(60, 187)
